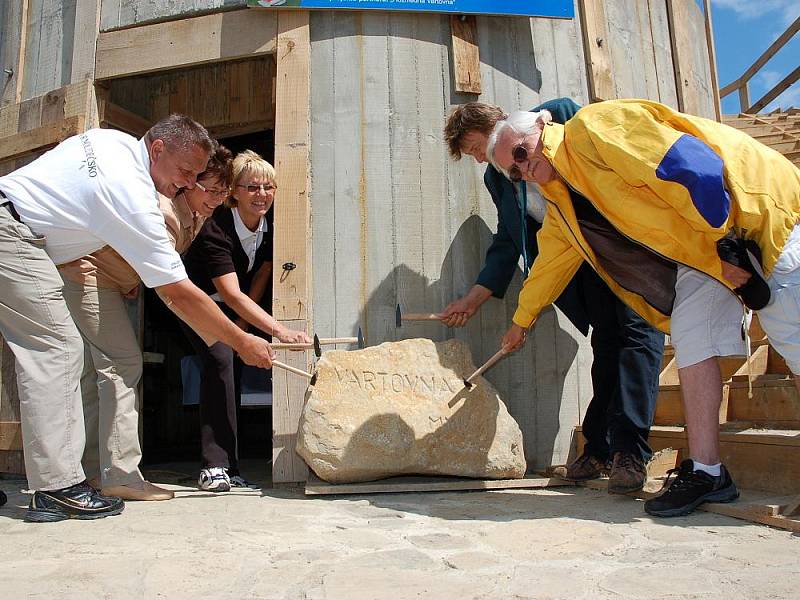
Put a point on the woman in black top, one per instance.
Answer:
(231, 260)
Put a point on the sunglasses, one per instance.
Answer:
(520, 155)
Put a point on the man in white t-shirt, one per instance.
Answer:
(94, 189)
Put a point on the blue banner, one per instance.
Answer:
(563, 9)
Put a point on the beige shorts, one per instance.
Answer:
(707, 319)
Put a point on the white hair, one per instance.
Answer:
(521, 123)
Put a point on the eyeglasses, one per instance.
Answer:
(216, 193)
(520, 155)
(264, 187)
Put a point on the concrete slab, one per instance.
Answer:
(280, 544)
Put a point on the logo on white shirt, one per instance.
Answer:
(91, 159)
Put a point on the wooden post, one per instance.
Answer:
(292, 259)
(466, 54)
(595, 47)
(712, 58)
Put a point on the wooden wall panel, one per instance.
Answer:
(49, 46)
(395, 220)
(690, 56)
(124, 13)
(13, 31)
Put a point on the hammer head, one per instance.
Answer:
(361, 343)
(317, 346)
(398, 318)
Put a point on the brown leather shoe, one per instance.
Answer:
(628, 474)
(582, 468)
(150, 492)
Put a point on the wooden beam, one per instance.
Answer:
(10, 435)
(763, 59)
(682, 43)
(113, 115)
(712, 58)
(466, 53)
(41, 137)
(187, 42)
(316, 486)
(84, 44)
(292, 242)
(596, 49)
(782, 86)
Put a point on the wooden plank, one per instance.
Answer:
(783, 85)
(13, 27)
(41, 137)
(712, 57)
(291, 297)
(662, 52)
(316, 486)
(466, 53)
(10, 435)
(86, 29)
(292, 209)
(189, 42)
(596, 50)
(123, 13)
(48, 47)
(692, 75)
(288, 391)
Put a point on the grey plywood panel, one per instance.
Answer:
(662, 53)
(123, 13)
(49, 46)
(323, 151)
(11, 17)
(701, 71)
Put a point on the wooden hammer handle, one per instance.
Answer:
(340, 340)
(421, 317)
(294, 370)
(487, 365)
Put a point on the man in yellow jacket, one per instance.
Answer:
(653, 199)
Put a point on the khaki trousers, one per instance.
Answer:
(111, 373)
(48, 349)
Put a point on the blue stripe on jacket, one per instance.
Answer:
(694, 165)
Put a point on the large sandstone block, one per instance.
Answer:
(400, 409)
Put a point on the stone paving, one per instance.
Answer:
(278, 544)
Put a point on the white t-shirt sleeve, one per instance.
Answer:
(141, 239)
(130, 221)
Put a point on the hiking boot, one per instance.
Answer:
(628, 474)
(581, 469)
(689, 490)
(214, 479)
(80, 501)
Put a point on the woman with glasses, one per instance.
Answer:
(231, 260)
(95, 288)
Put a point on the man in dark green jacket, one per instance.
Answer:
(627, 351)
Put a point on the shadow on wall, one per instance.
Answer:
(531, 381)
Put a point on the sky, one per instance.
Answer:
(743, 30)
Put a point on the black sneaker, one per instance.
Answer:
(3, 498)
(689, 490)
(80, 501)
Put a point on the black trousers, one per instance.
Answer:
(220, 402)
(627, 360)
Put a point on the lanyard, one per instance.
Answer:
(523, 208)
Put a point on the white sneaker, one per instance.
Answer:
(214, 479)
